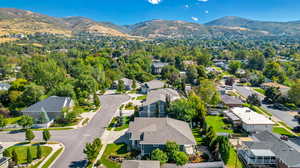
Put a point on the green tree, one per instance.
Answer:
(294, 93)
(39, 152)
(256, 60)
(6, 153)
(133, 84)
(159, 155)
(121, 86)
(29, 155)
(234, 66)
(253, 100)
(32, 94)
(272, 94)
(274, 71)
(15, 157)
(208, 92)
(180, 158)
(90, 151)
(2, 121)
(25, 121)
(96, 100)
(29, 135)
(46, 135)
(171, 148)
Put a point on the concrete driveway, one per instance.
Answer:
(75, 140)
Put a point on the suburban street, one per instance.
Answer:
(282, 115)
(75, 140)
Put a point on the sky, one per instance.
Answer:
(124, 12)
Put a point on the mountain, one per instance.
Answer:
(271, 28)
(168, 29)
(15, 21)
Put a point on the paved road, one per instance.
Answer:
(75, 140)
(282, 115)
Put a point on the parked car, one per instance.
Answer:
(280, 107)
(297, 129)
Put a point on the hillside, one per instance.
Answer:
(271, 28)
(14, 21)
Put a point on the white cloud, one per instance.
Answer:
(154, 2)
(186, 6)
(206, 11)
(195, 19)
(203, 0)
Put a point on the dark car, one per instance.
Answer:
(280, 107)
(297, 129)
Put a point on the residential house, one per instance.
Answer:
(283, 89)
(268, 150)
(50, 108)
(231, 101)
(127, 82)
(218, 164)
(152, 85)
(140, 164)
(4, 86)
(156, 102)
(4, 161)
(249, 120)
(157, 67)
(148, 134)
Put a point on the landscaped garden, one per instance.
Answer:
(141, 97)
(119, 124)
(21, 152)
(114, 154)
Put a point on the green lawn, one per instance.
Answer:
(260, 90)
(197, 135)
(282, 131)
(52, 158)
(114, 150)
(218, 124)
(141, 97)
(233, 161)
(22, 152)
(124, 126)
(12, 120)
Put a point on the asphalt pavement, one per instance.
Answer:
(75, 140)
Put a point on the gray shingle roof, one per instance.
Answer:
(155, 84)
(140, 164)
(160, 95)
(160, 131)
(51, 104)
(159, 64)
(231, 100)
(282, 150)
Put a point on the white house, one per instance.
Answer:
(252, 121)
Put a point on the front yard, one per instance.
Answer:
(22, 152)
(114, 154)
(116, 126)
(282, 131)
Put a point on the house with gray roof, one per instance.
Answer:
(156, 102)
(157, 67)
(50, 108)
(140, 164)
(127, 82)
(152, 85)
(231, 101)
(268, 150)
(148, 134)
(3, 160)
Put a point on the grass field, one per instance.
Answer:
(124, 126)
(52, 158)
(141, 97)
(218, 124)
(282, 131)
(233, 161)
(22, 152)
(12, 120)
(113, 149)
(259, 90)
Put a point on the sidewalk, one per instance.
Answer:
(55, 147)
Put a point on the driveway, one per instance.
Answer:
(75, 140)
(285, 116)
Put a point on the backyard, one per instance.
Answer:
(218, 124)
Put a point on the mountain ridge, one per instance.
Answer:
(14, 21)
